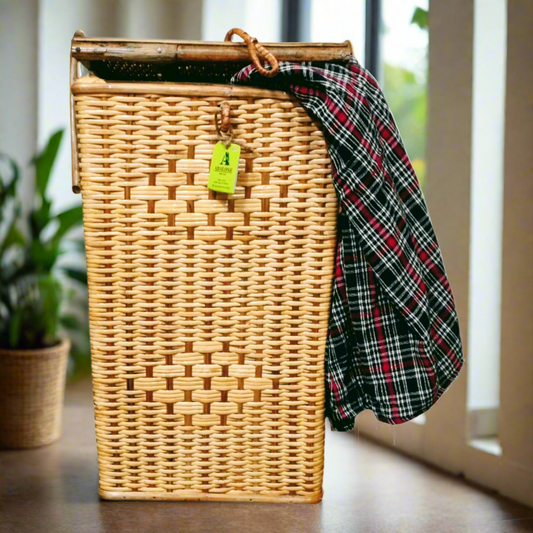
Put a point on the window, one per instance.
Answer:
(391, 39)
(403, 73)
(337, 21)
(486, 215)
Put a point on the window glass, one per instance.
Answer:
(403, 76)
(338, 21)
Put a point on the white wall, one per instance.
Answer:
(490, 34)
(18, 84)
(261, 19)
(160, 19)
(334, 21)
(94, 17)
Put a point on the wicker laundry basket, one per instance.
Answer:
(208, 312)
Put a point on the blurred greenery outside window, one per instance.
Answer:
(402, 50)
(403, 76)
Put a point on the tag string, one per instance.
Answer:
(224, 129)
(225, 138)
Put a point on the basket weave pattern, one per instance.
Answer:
(208, 314)
(32, 387)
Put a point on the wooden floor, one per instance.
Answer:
(368, 489)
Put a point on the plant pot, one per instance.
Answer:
(32, 387)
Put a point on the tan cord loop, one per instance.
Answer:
(225, 125)
(224, 130)
(256, 51)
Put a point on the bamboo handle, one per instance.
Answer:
(75, 73)
(256, 51)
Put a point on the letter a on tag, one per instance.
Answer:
(224, 167)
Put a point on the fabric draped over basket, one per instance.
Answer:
(394, 344)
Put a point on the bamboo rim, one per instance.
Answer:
(168, 51)
(93, 85)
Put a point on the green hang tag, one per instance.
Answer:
(224, 167)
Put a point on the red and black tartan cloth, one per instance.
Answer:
(393, 343)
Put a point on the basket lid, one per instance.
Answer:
(87, 49)
(193, 61)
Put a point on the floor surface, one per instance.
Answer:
(367, 489)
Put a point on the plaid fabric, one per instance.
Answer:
(393, 344)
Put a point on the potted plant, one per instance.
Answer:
(34, 348)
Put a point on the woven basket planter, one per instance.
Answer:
(32, 387)
(208, 312)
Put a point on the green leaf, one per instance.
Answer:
(40, 218)
(42, 256)
(13, 275)
(407, 98)
(67, 220)
(78, 275)
(420, 18)
(44, 162)
(50, 292)
(9, 189)
(79, 245)
(15, 327)
(13, 237)
(81, 357)
(69, 321)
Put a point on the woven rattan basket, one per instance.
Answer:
(208, 312)
(32, 387)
